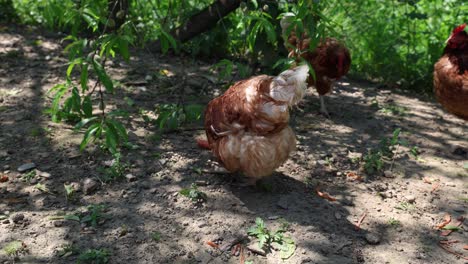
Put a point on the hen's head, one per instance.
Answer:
(458, 40)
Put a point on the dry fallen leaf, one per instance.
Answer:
(435, 186)
(427, 180)
(353, 176)
(447, 219)
(212, 244)
(465, 247)
(458, 224)
(358, 224)
(325, 195)
(4, 178)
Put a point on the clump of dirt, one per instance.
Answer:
(335, 212)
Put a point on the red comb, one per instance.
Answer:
(458, 29)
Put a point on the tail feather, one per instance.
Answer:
(202, 143)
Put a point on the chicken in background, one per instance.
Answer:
(247, 127)
(330, 59)
(451, 74)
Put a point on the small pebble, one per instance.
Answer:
(130, 177)
(372, 239)
(410, 198)
(389, 174)
(26, 167)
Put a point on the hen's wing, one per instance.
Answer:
(239, 109)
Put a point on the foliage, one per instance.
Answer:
(27, 177)
(172, 116)
(95, 213)
(116, 170)
(396, 42)
(394, 222)
(194, 194)
(95, 256)
(156, 236)
(15, 248)
(69, 192)
(375, 159)
(266, 238)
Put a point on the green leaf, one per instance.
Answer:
(72, 217)
(123, 48)
(87, 106)
(112, 137)
(90, 133)
(262, 239)
(75, 100)
(72, 65)
(121, 131)
(168, 39)
(84, 77)
(287, 250)
(84, 122)
(103, 77)
(259, 222)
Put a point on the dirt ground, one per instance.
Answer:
(147, 220)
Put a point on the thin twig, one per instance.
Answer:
(358, 224)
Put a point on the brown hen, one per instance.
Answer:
(451, 74)
(330, 60)
(247, 127)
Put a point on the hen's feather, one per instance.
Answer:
(247, 127)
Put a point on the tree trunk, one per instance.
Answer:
(203, 21)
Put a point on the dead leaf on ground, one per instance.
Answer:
(352, 176)
(446, 247)
(465, 247)
(358, 224)
(325, 195)
(447, 219)
(458, 224)
(427, 180)
(4, 178)
(435, 186)
(212, 244)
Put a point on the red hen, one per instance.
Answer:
(330, 60)
(247, 127)
(451, 74)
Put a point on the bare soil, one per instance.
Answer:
(148, 221)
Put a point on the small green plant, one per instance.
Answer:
(394, 222)
(194, 194)
(94, 215)
(15, 248)
(69, 192)
(94, 256)
(373, 161)
(404, 206)
(266, 238)
(36, 131)
(67, 250)
(41, 187)
(172, 116)
(393, 109)
(116, 170)
(156, 236)
(27, 177)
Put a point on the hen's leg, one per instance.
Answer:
(323, 108)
